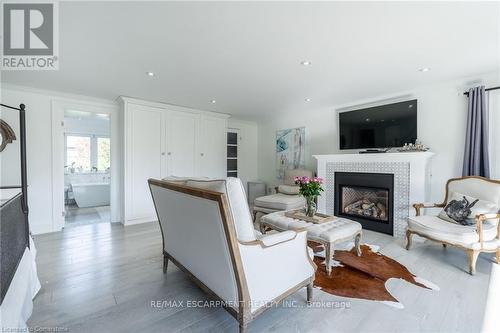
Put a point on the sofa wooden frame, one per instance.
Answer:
(472, 254)
(244, 314)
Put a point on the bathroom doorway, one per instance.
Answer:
(87, 167)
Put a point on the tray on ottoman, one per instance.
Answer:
(299, 214)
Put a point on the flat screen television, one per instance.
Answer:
(384, 126)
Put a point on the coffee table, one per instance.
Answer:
(328, 234)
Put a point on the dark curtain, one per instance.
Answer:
(476, 159)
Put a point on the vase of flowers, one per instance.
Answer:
(310, 189)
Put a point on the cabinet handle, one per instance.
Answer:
(163, 154)
(169, 153)
(202, 154)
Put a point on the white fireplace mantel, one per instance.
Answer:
(414, 187)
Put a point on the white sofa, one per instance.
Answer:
(482, 236)
(208, 233)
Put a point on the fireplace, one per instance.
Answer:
(367, 198)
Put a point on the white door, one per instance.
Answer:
(182, 130)
(212, 155)
(146, 138)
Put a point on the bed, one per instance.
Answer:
(18, 276)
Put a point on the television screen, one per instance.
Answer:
(383, 126)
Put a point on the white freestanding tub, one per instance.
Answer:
(91, 194)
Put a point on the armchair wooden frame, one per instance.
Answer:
(472, 253)
(244, 315)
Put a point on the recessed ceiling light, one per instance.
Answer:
(308, 99)
(424, 69)
(150, 74)
(305, 63)
(213, 101)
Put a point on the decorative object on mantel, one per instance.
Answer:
(310, 189)
(364, 276)
(290, 150)
(318, 218)
(416, 147)
(7, 134)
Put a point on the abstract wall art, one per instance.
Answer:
(290, 150)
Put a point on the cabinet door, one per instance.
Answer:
(212, 155)
(182, 129)
(145, 161)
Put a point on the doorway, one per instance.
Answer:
(87, 165)
(85, 141)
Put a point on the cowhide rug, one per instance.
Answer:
(362, 277)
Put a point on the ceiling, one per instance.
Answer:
(247, 56)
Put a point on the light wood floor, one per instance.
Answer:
(102, 278)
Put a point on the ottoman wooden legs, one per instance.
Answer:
(330, 251)
(357, 244)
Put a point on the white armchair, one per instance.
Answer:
(286, 196)
(482, 236)
(208, 233)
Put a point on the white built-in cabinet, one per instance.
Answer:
(163, 140)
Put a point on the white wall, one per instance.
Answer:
(442, 110)
(248, 145)
(39, 149)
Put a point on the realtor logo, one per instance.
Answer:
(30, 36)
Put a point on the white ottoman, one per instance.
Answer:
(328, 233)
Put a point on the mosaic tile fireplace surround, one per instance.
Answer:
(367, 199)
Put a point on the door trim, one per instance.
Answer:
(58, 107)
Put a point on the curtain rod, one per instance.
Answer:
(487, 89)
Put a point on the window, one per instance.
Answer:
(78, 152)
(86, 152)
(103, 154)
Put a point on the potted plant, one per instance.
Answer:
(310, 189)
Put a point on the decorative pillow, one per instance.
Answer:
(288, 189)
(463, 209)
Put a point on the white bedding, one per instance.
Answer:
(7, 194)
(17, 304)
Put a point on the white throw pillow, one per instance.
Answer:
(479, 207)
(288, 189)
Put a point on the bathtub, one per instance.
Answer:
(91, 194)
